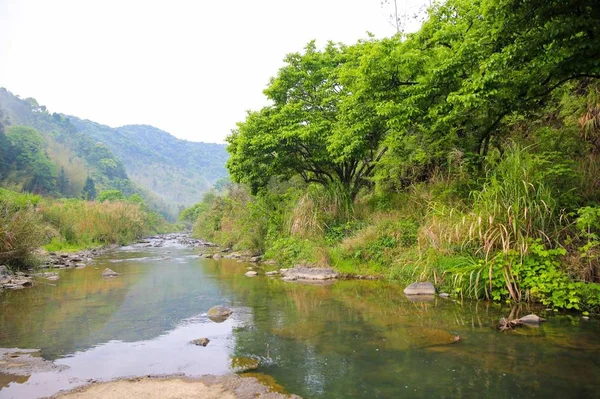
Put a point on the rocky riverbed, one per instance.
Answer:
(15, 280)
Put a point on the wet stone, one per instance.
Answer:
(426, 288)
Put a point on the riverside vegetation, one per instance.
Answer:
(467, 154)
(29, 222)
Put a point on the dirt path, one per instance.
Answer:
(208, 387)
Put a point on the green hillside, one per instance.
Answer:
(44, 152)
(178, 171)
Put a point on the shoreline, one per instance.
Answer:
(229, 386)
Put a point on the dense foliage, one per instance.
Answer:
(466, 153)
(68, 162)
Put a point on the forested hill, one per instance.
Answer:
(75, 153)
(178, 171)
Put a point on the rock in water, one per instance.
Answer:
(251, 273)
(109, 273)
(420, 289)
(219, 314)
(309, 273)
(531, 319)
(242, 364)
(200, 341)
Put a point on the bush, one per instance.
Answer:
(21, 229)
(91, 223)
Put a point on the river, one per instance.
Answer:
(349, 339)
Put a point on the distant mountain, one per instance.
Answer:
(178, 171)
(65, 146)
(168, 173)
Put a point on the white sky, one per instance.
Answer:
(189, 67)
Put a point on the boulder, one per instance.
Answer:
(109, 273)
(426, 288)
(531, 319)
(219, 314)
(200, 341)
(23, 282)
(251, 273)
(216, 256)
(309, 273)
(240, 364)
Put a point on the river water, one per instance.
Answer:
(349, 339)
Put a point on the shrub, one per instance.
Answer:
(21, 229)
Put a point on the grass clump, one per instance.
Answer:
(28, 222)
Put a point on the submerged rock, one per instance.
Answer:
(109, 273)
(240, 364)
(200, 341)
(531, 319)
(17, 361)
(219, 314)
(309, 273)
(52, 278)
(426, 288)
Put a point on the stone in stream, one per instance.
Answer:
(272, 273)
(219, 314)
(531, 319)
(109, 273)
(216, 256)
(426, 288)
(52, 278)
(240, 364)
(308, 273)
(251, 273)
(200, 341)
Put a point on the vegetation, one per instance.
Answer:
(47, 154)
(28, 222)
(466, 153)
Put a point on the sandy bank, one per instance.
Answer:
(207, 387)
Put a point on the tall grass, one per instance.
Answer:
(21, 234)
(318, 209)
(92, 223)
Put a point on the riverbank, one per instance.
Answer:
(51, 262)
(176, 387)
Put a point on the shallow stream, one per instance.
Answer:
(361, 339)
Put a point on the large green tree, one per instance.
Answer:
(474, 68)
(316, 126)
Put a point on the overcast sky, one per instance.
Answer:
(190, 67)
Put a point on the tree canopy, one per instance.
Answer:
(406, 102)
(315, 128)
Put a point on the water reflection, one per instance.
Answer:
(349, 339)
